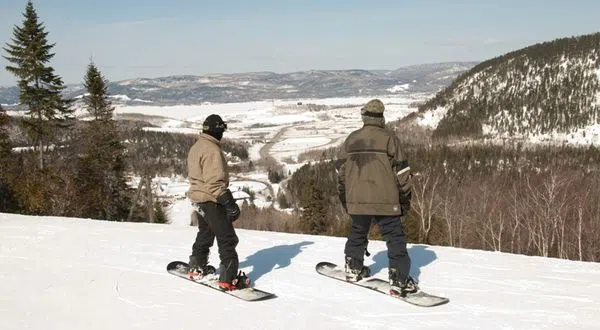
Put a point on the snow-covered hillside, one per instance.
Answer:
(545, 93)
(60, 273)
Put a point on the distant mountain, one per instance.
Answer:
(9, 95)
(545, 89)
(254, 86)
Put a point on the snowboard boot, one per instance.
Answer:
(355, 271)
(197, 270)
(241, 281)
(399, 287)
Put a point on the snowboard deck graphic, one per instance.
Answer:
(180, 269)
(420, 298)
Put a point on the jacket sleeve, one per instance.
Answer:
(214, 173)
(401, 167)
(340, 167)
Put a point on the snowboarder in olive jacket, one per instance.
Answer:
(374, 184)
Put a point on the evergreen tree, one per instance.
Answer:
(159, 213)
(4, 141)
(101, 167)
(97, 102)
(315, 210)
(39, 86)
(8, 202)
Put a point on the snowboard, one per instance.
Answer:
(419, 298)
(180, 269)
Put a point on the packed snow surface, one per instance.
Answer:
(63, 273)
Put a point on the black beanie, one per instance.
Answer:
(214, 126)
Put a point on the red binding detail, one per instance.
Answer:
(227, 286)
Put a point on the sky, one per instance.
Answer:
(153, 38)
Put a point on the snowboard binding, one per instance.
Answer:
(198, 273)
(241, 281)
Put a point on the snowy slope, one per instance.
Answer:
(546, 93)
(59, 273)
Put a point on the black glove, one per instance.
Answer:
(343, 201)
(405, 203)
(231, 207)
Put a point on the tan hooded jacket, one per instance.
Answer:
(207, 170)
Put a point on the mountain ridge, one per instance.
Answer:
(547, 88)
(265, 85)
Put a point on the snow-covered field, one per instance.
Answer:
(259, 122)
(280, 129)
(61, 273)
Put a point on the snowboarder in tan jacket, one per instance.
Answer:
(374, 185)
(215, 209)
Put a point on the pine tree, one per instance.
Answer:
(39, 86)
(4, 141)
(8, 201)
(101, 165)
(315, 210)
(97, 102)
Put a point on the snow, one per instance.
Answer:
(292, 168)
(258, 176)
(121, 97)
(289, 128)
(282, 119)
(597, 73)
(252, 185)
(432, 118)
(281, 129)
(174, 190)
(254, 151)
(143, 101)
(399, 88)
(589, 135)
(62, 273)
(261, 111)
(289, 147)
(178, 130)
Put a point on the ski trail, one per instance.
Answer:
(112, 275)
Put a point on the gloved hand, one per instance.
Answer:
(231, 207)
(405, 203)
(404, 209)
(343, 201)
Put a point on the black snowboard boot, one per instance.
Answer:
(199, 270)
(400, 287)
(355, 271)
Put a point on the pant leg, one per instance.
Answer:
(392, 229)
(227, 240)
(358, 238)
(204, 240)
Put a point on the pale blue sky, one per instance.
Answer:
(152, 38)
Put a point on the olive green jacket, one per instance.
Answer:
(373, 175)
(207, 170)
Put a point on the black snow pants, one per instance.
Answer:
(213, 222)
(392, 229)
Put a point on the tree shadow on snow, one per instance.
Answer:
(265, 260)
(420, 256)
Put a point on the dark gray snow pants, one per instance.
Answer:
(392, 229)
(213, 222)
